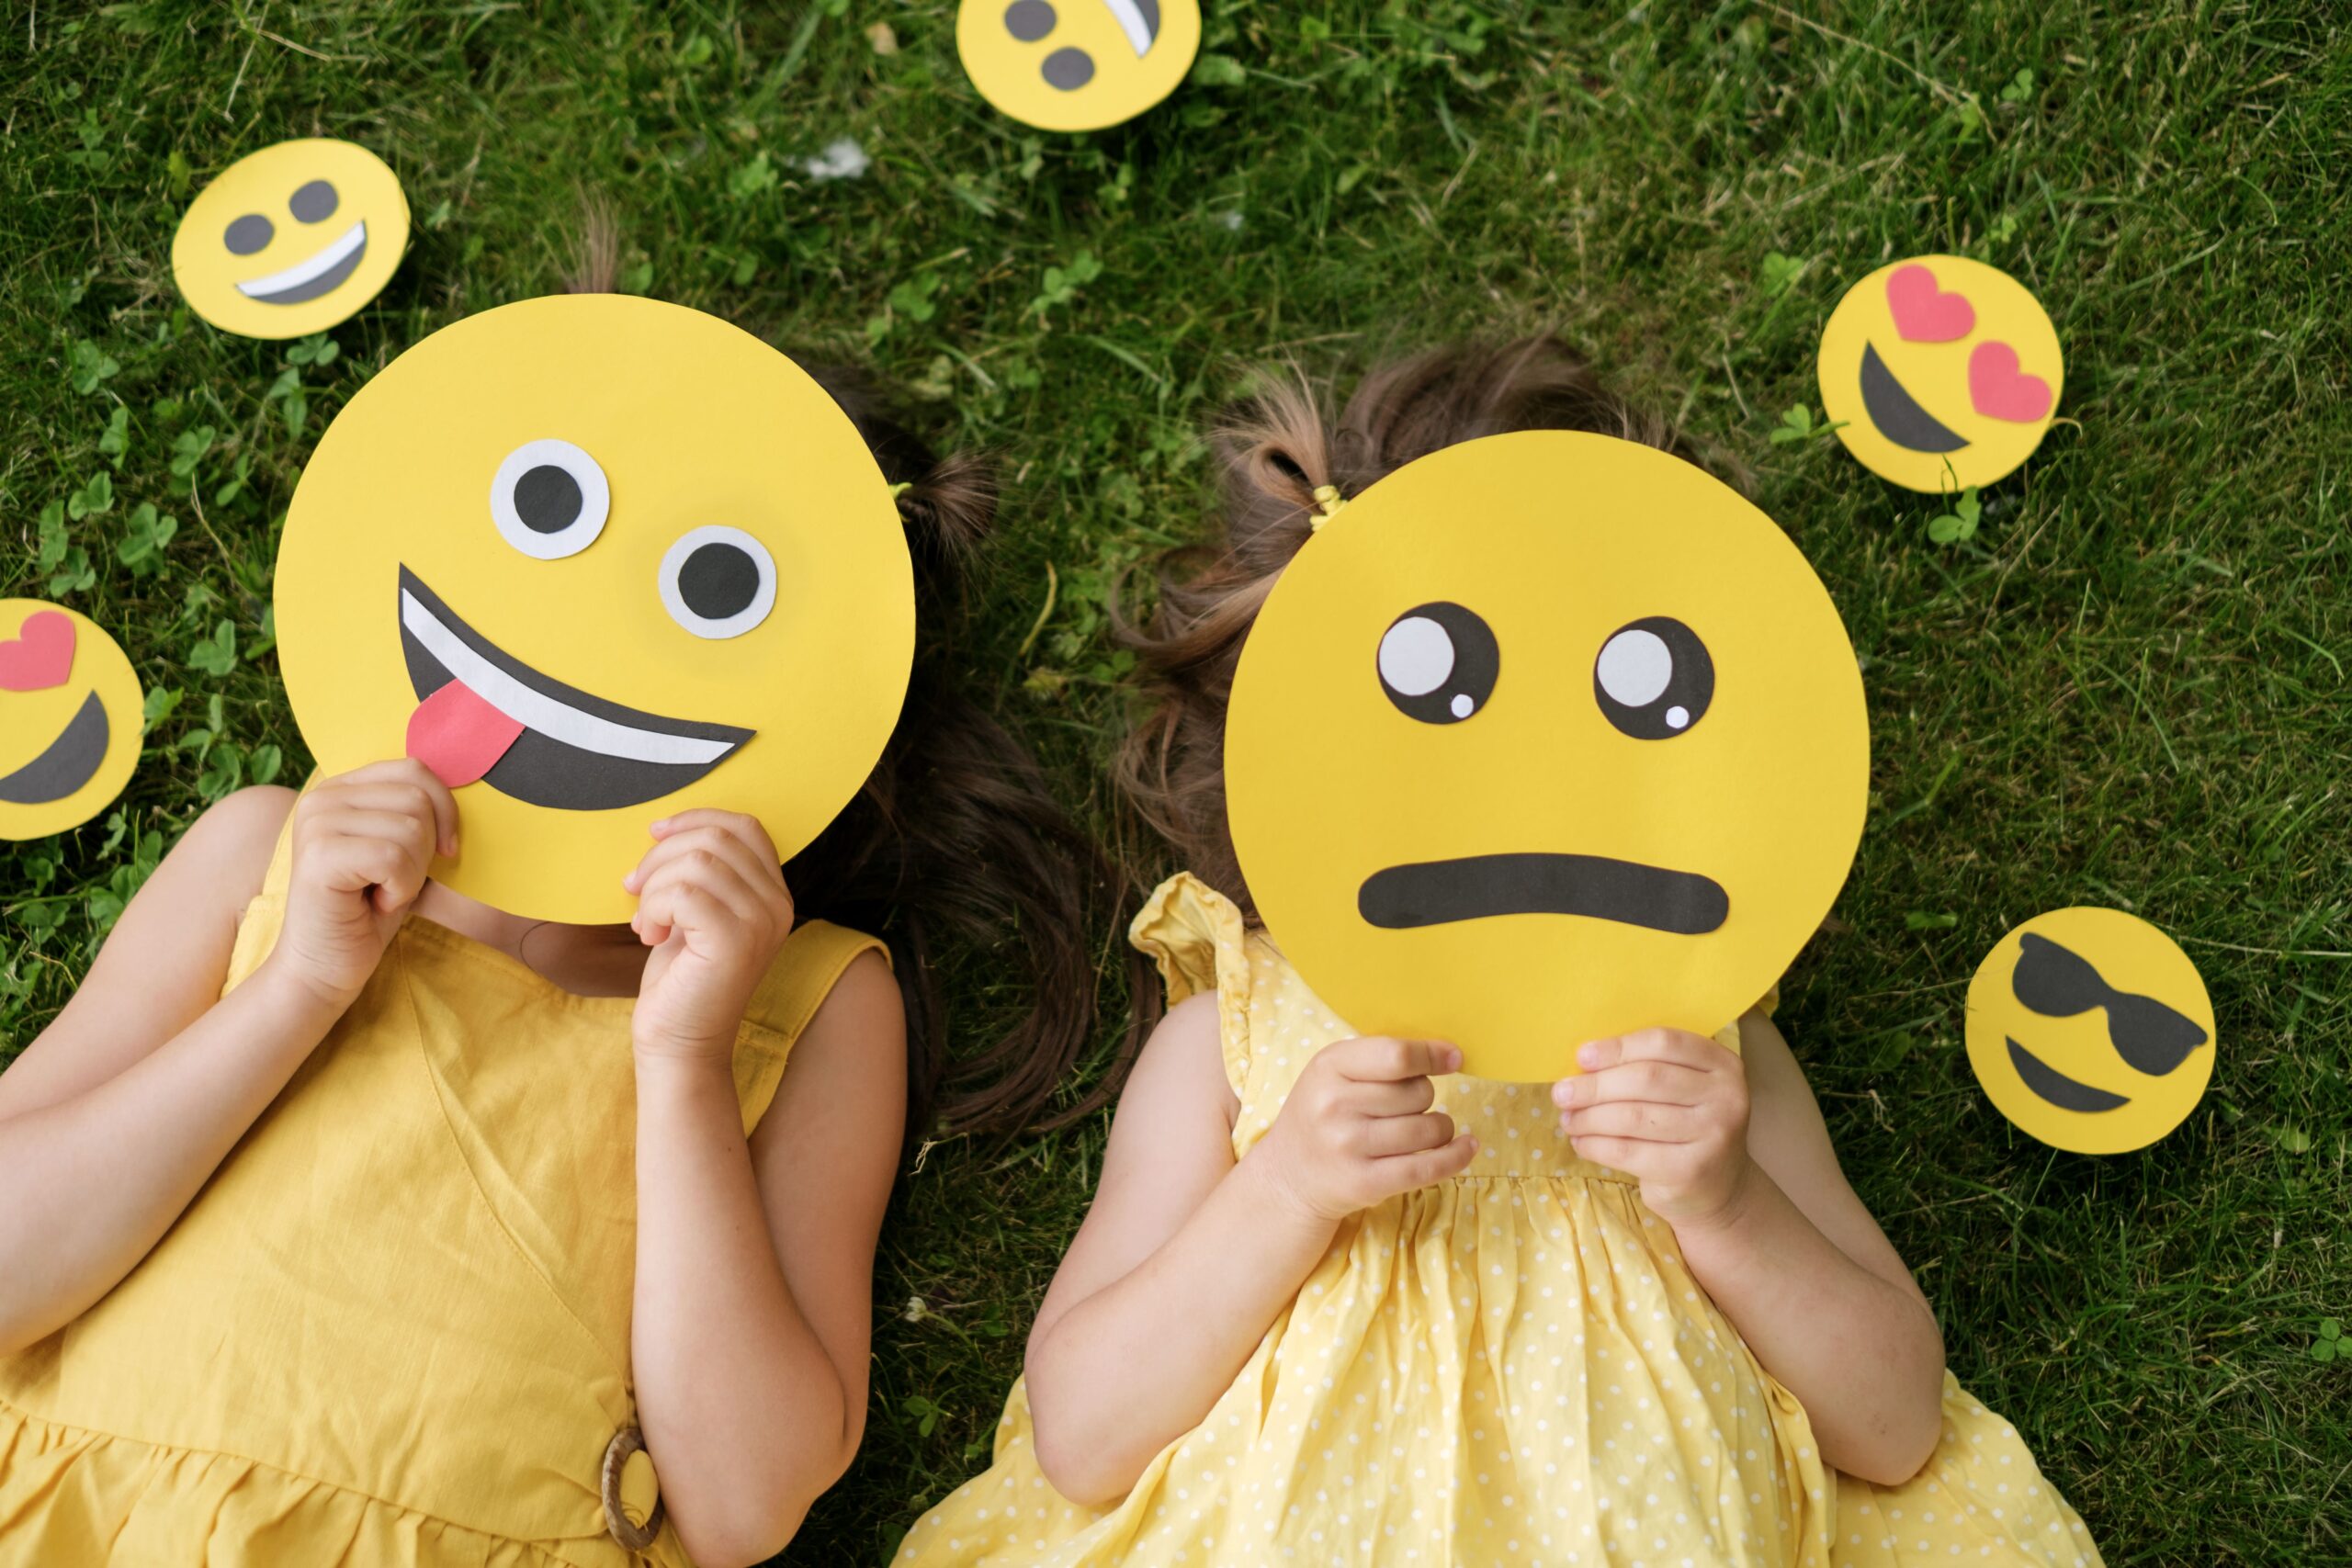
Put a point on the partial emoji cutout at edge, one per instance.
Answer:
(1940, 373)
(292, 238)
(2090, 1031)
(72, 715)
(597, 559)
(1077, 64)
(1546, 736)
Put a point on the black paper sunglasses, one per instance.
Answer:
(2058, 983)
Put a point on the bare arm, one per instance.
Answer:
(115, 1116)
(1768, 1224)
(755, 1260)
(1187, 1257)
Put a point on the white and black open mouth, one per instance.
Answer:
(308, 279)
(576, 752)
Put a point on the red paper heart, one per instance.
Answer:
(1925, 313)
(40, 655)
(2001, 391)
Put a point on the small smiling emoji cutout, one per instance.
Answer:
(2090, 1030)
(1942, 373)
(597, 559)
(1546, 736)
(1077, 64)
(290, 240)
(71, 717)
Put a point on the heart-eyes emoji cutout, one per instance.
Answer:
(2001, 391)
(1924, 313)
(40, 656)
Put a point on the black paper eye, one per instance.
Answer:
(314, 203)
(1654, 679)
(248, 235)
(1438, 663)
(550, 499)
(1029, 20)
(718, 581)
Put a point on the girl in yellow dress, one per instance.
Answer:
(1337, 1304)
(351, 1220)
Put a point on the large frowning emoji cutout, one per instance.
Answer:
(1944, 372)
(292, 238)
(71, 717)
(2091, 1031)
(1546, 736)
(596, 559)
(1077, 64)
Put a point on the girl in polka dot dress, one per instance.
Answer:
(1337, 1304)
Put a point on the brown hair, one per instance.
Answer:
(954, 851)
(1275, 449)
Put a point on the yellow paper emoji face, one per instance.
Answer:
(70, 720)
(292, 238)
(597, 559)
(2090, 1030)
(1546, 736)
(1944, 371)
(1077, 64)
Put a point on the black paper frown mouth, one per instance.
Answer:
(1897, 413)
(576, 752)
(1436, 892)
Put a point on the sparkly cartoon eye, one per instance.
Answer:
(1654, 679)
(550, 499)
(1438, 663)
(314, 203)
(718, 581)
(248, 235)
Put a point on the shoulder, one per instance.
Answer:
(865, 998)
(233, 842)
(1183, 1061)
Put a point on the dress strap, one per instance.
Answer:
(265, 915)
(812, 962)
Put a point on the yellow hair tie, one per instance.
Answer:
(1328, 504)
(901, 488)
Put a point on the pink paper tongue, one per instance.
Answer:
(459, 736)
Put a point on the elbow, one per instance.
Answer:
(1091, 1471)
(1902, 1440)
(742, 1535)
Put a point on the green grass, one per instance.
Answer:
(2127, 688)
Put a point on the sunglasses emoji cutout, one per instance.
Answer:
(1940, 373)
(291, 240)
(1544, 736)
(1077, 64)
(2090, 1031)
(70, 720)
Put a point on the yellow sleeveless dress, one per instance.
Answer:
(1510, 1368)
(393, 1328)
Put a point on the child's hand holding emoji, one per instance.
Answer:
(1668, 1108)
(711, 904)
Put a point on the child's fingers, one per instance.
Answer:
(1632, 1119)
(1405, 1173)
(1631, 1156)
(1379, 1059)
(1387, 1136)
(353, 863)
(412, 781)
(710, 844)
(1677, 1045)
(734, 824)
(1398, 1097)
(1666, 1083)
(679, 906)
(721, 883)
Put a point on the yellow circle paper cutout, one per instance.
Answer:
(1546, 736)
(2090, 1030)
(72, 714)
(292, 238)
(1077, 64)
(597, 559)
(1940, 372)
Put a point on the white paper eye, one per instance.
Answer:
(550, 499)
(1654, 679)
(718, 581)
(1438, 663)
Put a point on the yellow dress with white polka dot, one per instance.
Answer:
(1510, 1368)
